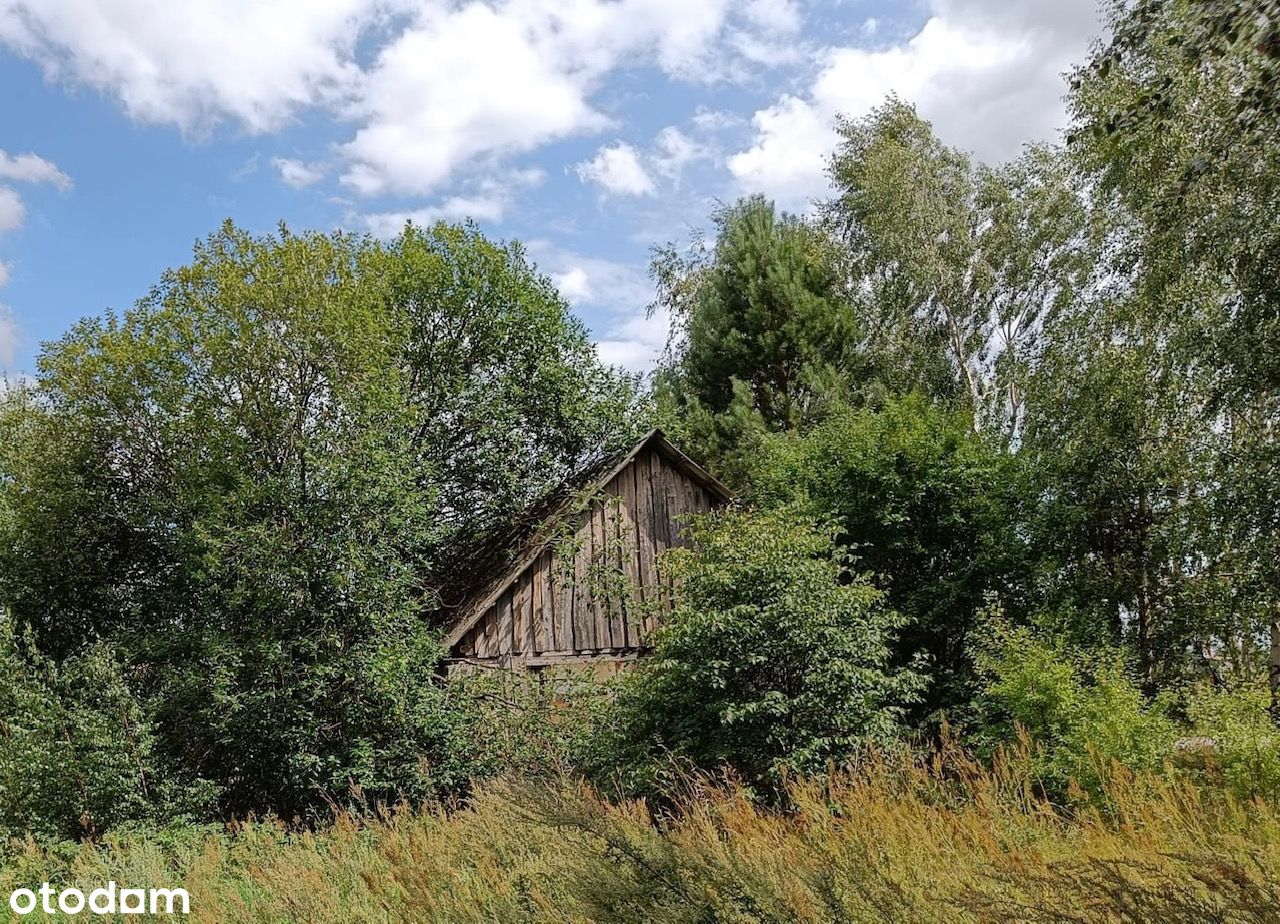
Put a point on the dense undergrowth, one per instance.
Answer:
(891, 839)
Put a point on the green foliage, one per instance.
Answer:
(1081, 708)
(960, 263)
(1174, 130)
(76, 750)
(927, 506)
(776, 658)
(1120, 454)
(244, 484)
(1245, 746)
(766, 335)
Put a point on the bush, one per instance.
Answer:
(76, 753)
(1081, 708)
(776, 657)
(1246, 742)
(929, 508)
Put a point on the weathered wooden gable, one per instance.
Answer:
(589, 589)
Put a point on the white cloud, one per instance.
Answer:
(5, 273)
(487, 199)
(774, 15)
(613, 298)
(8, 338)
(195, 62)
(459, 85)
(30, 168)
(634, 341)
(574, 284)
(297, 173)
(675, 150)
(430, 86)
(617, 170)
(454, 208)
(987, 74)
(12, 211)
(23, 168)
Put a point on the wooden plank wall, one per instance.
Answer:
(556, 607)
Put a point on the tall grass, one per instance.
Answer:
(893, 839)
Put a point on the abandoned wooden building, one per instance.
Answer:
(577, 580)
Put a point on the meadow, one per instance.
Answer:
(892, 838)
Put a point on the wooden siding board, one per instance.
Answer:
(584, 630)
(561, 635)
(629, 552)
(508, 613)
(645, 547)
(543, 601)
(524, 631)
(621, 556)
(600, 590)
(487, 646)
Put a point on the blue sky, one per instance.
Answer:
(589, 129)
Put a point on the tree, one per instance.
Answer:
(246, 482)
(1174, 121)
(766, 335)
(1080, 707)
(76, 752)
(929, 508)
(1121, 447)
(776, 657)
(963, 260)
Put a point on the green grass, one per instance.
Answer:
(944, 840)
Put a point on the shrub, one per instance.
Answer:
(776, 657)
(1246, 742)
(76, 753)
(1081, 708)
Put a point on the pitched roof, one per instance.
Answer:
(503, 554)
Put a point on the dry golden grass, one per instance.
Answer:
(893, 839)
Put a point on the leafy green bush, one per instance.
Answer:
(76, 753)
(928, 507)
(1245, 745)
(1081, 708)
(776, 658)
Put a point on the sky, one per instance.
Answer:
(591, 130)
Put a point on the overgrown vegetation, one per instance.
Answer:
(992, 633)
(895, 840)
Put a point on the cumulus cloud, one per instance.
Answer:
(8, 338)
(458, 85)
(574, 284)
(487, 200)
(453, 208)
(617, 170)
(674, 150)
(612, 297)
(194, 63)
(486, 81)
(296, 173)
(30, 168)
(429, 86)
(987, 74)
(12, 211)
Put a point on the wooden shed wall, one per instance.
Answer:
(599, 593)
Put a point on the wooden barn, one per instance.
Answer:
(576, 581)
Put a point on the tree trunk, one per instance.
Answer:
(1146, 616)
(1273, 664)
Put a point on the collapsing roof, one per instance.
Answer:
(498, 561)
